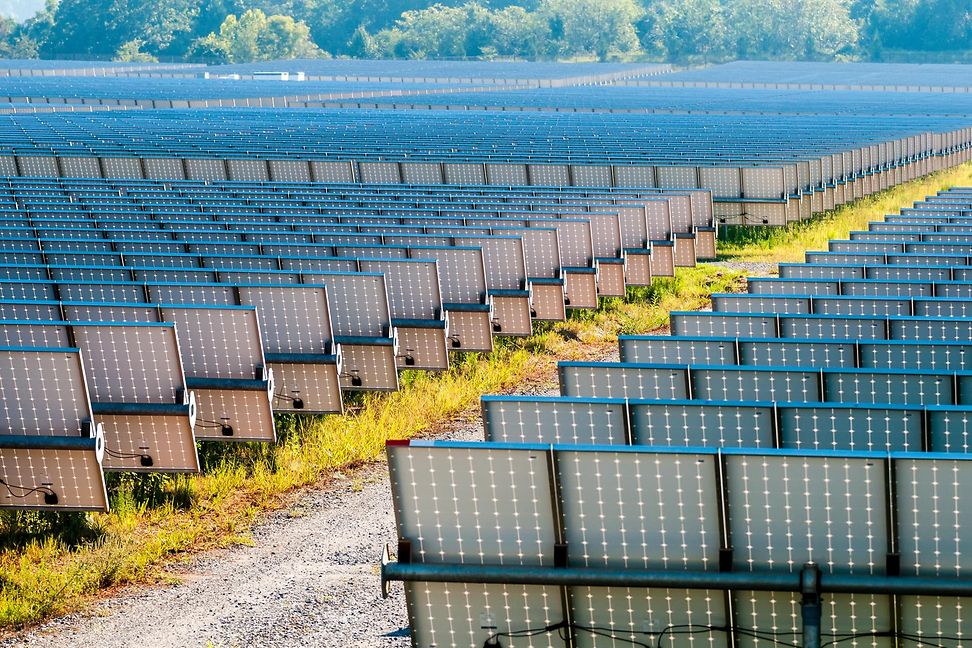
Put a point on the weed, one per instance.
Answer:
(788, 244)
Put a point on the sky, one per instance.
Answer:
(20, 9)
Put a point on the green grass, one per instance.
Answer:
(52, 563)
(787, 244)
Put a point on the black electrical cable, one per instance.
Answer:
(915, 639)
(124, 455)
(688, 628)
(211, 424)
(671, 630)
(144, 458)
(26, 491)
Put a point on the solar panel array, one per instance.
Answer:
(200, 308)
(762, 169)
(641, 99)
(35, 94)
(789, 467)
(943, 78)
(177, 275)
(770, 156)
(39, 68)
(497, 73)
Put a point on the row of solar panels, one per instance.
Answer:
(282, 297)
(747, 195)
(766, 171)
(484, 136)
(592, 510)
(33, 109)
(675, 100)
(115, 91)
(884, 77)
(53, 68)
(499, 73)
(819, 419)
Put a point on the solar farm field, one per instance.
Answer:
(223, 287)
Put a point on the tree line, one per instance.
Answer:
(682, 31)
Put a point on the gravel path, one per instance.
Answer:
(751, 268)
(309, 579)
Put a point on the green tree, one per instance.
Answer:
(131, 52)
(604, 28)
(158, 25)
(441, 31)
(686, 30)
(518, 32)
(790, 29)
(943, 25)
(254, 36)
(363, 44)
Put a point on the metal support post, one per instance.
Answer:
(810, 605)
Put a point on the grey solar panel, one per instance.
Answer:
(723, 324)
(493, 533)
(698, 424)
(669, 520)
(866, 428)
(52, 449)
(296, 328)
(617, 380)
(784, 353)
(932, 542)
(830, 328)
(841, 526)
(138, 391)
(469, 614)
(732, 384)
(677, 350)
(727, 303)
(554, 420)
(222, 354)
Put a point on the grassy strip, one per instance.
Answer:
(54, 563)
(787, 244)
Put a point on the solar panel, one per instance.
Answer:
(432, 486)
(223, 359)
(787, 510)
(469, 614)
(760, 304)
(134, 373)
(780, 353)
(618, 380)
(677, 350)
(865, 428)
(295, 325)
(52, 448)
(723, 324)
(69, 469)
(931, 541)
(699, 424)
(631, 510)
(734, 384)
(554, 420)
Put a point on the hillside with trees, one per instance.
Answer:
(682, 31)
